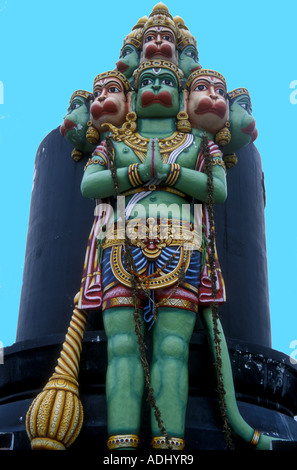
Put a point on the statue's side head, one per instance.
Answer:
(111, 103)
(242, 122)
(206, 100)
(75, 121)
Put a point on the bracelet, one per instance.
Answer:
(133, 175)
(220, 162)
(96, 161)
(173, 174)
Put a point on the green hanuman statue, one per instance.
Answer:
(160, 123)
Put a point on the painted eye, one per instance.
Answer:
(97, 93)
(192, 55)
(113, 89)
(146, 82)
(167, 38)
(244, 106)
(200, 88)
(221, 92)
(125, 53)
(167, 82)
(74, 106)
(149, 38)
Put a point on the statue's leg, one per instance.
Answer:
(124, 379)
(172, 332)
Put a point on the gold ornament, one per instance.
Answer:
(172, 443)
(158, 64)
(55, 417)
(76, 155)
(223, 136)
(92, 134)
(183, 124)
(230, 160)
(123, 440)
(203, 72)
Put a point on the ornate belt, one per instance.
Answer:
(152, 235)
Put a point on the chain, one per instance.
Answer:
(214, 306)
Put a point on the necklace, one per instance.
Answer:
(167, 145)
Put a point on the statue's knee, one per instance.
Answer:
(174, 346)
(122, 345)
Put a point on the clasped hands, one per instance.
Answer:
(153, 166)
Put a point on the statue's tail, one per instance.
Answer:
(239, 427)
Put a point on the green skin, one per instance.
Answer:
(188, 60)
(129, 58)
(79, 113)
(240, 118)
(174, 327)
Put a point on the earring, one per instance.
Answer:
(223, 136)
(130, 126)
(183, 123)
(92, 135)
(76, 155)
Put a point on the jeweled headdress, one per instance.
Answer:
(185, 37)
(160, 16)
(203, 72)
(114, 73)
(85, 94)
(135, 37)
(158, 64)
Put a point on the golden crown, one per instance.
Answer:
(85, 94)
(158, 64)
(185, 37)
(203, 72)
(116, 74)
(160, 16)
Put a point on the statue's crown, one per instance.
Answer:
(203, 72)
(158, 64)
(116, 74)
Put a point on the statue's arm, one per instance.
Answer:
(195, 183)
(98, 181)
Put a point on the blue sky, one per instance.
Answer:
(50, 49)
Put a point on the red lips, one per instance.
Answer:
(251, 130)
(206, 105)
(121, 66)
(67, 126)
(97, 109)
(164, 98)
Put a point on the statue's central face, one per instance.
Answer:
(158, 94)
(207, 104)
(159, 43)
(110, 103)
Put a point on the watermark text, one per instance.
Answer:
(1, 353)
(293, 94)
(1, 93)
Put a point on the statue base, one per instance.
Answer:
(265, 383)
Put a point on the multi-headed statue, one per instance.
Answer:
(161, 124)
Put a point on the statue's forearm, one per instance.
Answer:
(100, 184)
(194, 183)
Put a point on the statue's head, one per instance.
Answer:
(242, 123)
(131, 50)
(158, 85)
(159, 36)
(75, 122)
(112, 93)
(188, 57)
(206, 100)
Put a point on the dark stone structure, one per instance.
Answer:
(59, 225)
